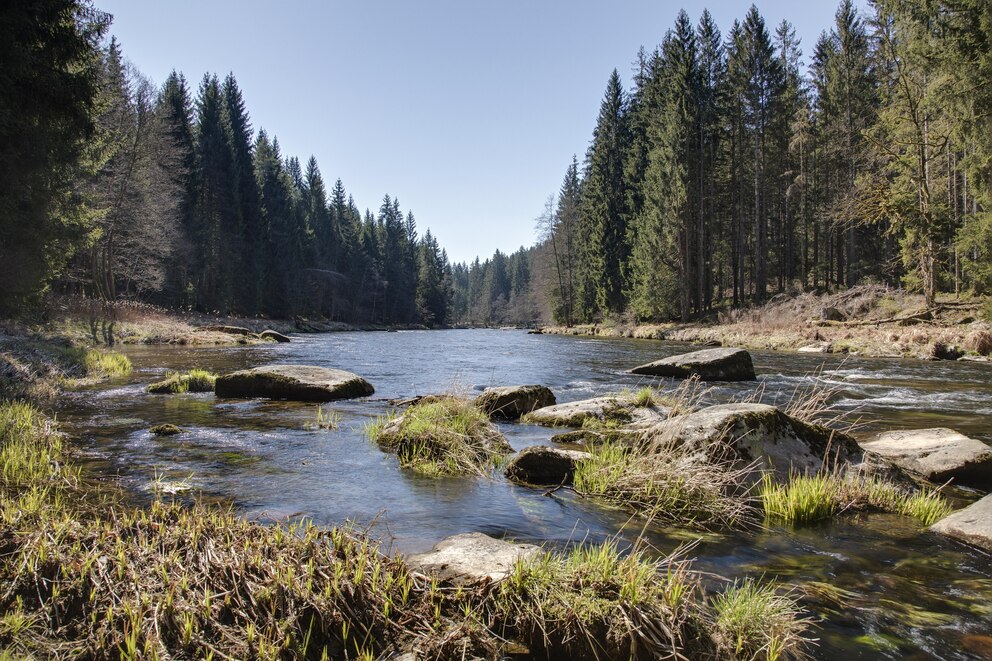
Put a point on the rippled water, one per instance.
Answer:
(877, 585)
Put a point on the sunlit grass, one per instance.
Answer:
(196, 380)
(442, 436)
(666, 486)
(755, 620)
(106, 363)
(324, 420)
(809, 498)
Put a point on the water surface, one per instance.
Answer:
(878, 585)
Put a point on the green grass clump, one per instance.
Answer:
(106, 363)
(195, 380)
(666, 486)
(755, 621)
(591, 602)
(442, 436)
(809, 498)
(644, 397)
(324, 420)
(32, 452)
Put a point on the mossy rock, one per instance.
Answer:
(166, 429)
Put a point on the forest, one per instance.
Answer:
(730, 171)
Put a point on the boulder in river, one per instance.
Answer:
(973, 524)
(471, 558)
(574, 414)
(542, 465)
(729, 364)
(936, 454)
(166, 429)
(303, 383)
(273, 335)
(755, 433)
(512, 402)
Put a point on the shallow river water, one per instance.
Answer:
(877, 586)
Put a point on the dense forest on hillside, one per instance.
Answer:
(733, 169)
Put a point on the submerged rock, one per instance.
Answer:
(273, 335)
(293, 382)
(936, 454)
(728, 364)
(755, 433)
(166, 430)
(471, 558)
(542, 465)
(512, 402)
(973, 524)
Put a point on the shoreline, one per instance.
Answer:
(875, 323)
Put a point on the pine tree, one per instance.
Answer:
(604, 209)
(50, 67)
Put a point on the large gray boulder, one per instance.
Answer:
(293, 382)
(471, 558)
(973, 524)
(541, 465)
(746, 433)
(727, 364)
(512, 402)
(936, 454)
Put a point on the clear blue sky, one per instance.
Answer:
(467, 111)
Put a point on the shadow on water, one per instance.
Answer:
(877, 586)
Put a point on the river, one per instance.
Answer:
(877, 586)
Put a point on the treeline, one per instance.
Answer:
(728, 172)
(111, 188)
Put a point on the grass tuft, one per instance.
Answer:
(667, 486)
(806, 499)
(324, 420)
(196, 380)
(442, 436)
(755, 621)
(106, 363)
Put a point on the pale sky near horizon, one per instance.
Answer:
(468, 112)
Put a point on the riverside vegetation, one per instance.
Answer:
(91, 577)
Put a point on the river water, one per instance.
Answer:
(876, 586)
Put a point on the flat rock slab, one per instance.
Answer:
(756, 432)
(936, 454)
(512, 402)
(472, 558)
(574, 414)
(973, 524)
(708, 364)
(230, 330)
(541, 465)
(293, 382)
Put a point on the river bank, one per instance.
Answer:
(89, 575)
(866, 320)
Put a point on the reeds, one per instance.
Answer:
(106, 363)
(442, 436)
